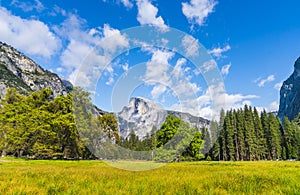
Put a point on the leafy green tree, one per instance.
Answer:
(168, 129)
(194, 149)
(110, 127)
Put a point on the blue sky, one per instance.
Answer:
(254, 44)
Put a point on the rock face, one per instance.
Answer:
(22, 73)
(290, 94)
(141, 115)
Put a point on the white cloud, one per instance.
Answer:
(209, 104)
(185, 88)
(127, 3)
(32, 36)
(58, 11)
(147, 15)
(274, 106)
(178, 70)
(257, 79)
(157, 72)
(277, 86)
(208, 65)
(218, 52)
(198, 10)
(88, 49)
(225, 69)
(28, 6)
(157, 68)
(267, 80)
(157, 91)
(110, 81)
(125, 67)
(114, 40)
(161, 74)
(190, 45)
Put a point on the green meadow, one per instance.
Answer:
(97, 177)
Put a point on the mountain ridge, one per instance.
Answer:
(21, 72)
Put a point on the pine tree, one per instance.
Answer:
(273, 138)
(249, 134)
(222, 139)
(259, 134)
(265, 128)
(229, 134)
(240, 140)
(215, 150)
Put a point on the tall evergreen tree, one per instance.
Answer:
(273, 137)
(260, 137)
(229, 135)
(240, 138)
(249, 134)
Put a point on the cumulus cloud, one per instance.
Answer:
(262, 82)
(197, 11)
(208, 65)
(158, 90)
(161, 74)
(209, 104)
(157, 67)
(147, 15)
(178, 69)
(190, 45)
(83, 48)
(28, 35)
(218, 52)
(225, 69)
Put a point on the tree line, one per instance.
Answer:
(43, 126)
(175, 140)
(244, 134)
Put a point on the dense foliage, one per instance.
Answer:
(244, 135)
(175, 140)
(42, 126)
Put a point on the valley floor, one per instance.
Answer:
(96, 177)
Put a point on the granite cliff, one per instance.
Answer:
(20, 72)
(290, 94)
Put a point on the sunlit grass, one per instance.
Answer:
(95, 177)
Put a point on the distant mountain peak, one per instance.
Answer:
(142, 114)
(142, 105)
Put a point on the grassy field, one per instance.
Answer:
(95, 177)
